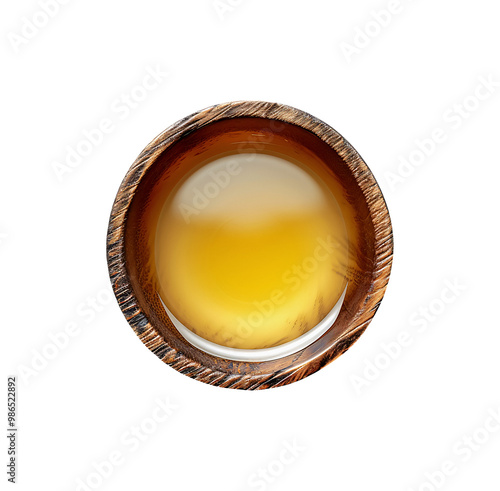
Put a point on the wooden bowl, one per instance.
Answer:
(129, 256)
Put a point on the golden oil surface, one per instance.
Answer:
(251, 250)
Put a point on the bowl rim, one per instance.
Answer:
(122, 285)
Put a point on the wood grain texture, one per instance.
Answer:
(226, 373)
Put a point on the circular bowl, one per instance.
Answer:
(208, 133)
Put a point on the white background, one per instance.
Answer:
(388, 427)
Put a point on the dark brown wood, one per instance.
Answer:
(368, 284)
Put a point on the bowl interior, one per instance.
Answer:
(248, 135)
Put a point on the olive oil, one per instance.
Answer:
(251, 249)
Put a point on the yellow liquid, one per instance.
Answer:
(251, 251)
